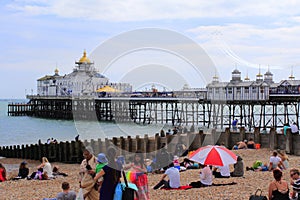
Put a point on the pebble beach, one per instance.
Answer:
(247, 185)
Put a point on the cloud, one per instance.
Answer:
(250, 46)
(141, 10)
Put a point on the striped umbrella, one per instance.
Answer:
(213, 155)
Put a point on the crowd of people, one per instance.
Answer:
(100, 175)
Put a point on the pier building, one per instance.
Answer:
(84, 80)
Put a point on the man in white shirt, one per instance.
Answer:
(294, 128)
(174, 178)
(275, 161)
(224, 171)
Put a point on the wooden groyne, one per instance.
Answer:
(71, 152)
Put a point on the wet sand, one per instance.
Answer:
(34, 189)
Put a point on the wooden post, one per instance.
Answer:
(157, 142)
(273, 139)
(129, 143)
(256, 135)
(227, 138)
(146, 144)
(242, 133)
(289, 142)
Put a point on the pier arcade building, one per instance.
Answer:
(84, 80)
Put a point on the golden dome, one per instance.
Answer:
(56, 71)
(84, 59)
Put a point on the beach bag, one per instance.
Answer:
(127, 193)
(258, 197)
(80, 195)
(118, 192)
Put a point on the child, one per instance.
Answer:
(102, 161)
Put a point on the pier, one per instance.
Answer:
(186, 111)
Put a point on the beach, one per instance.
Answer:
(247, 185)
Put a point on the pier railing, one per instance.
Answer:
(71, 152)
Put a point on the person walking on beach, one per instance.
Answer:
(2, 173)
(111, 174)
(139, 168)
(66, 194)
(295, 183)
(279, 188)
(87, 173)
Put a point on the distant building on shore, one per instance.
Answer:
(84, 80)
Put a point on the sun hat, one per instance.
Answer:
(102, 158)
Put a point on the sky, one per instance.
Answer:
(38, 36)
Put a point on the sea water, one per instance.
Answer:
(18, 130)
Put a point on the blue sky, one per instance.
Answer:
(38, 35)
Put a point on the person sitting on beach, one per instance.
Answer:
(23, 170)
(46, 166)
(284, 158)
(189, 164)
(295, 183)
(221, 171)
(56, 172)
(279, 188)
(251, 144)
(240, 145)
(2, 173)
(206, 176)
(238, 168)
(87, 174)
(275, 161)
(174, 178)
(66, 194)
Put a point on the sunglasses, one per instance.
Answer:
(293, 174)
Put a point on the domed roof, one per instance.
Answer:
(56, 72)
(236, 71)
(84, 58)
(268, 73)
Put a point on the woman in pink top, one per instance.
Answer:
(2, 173)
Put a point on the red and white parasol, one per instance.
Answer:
(213, 155)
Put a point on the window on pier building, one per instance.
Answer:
(217, 90)
(253, 89)
(238, 89)
(229, 90)
(261, 89)
(246, 89)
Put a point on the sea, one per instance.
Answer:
(18, 130)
